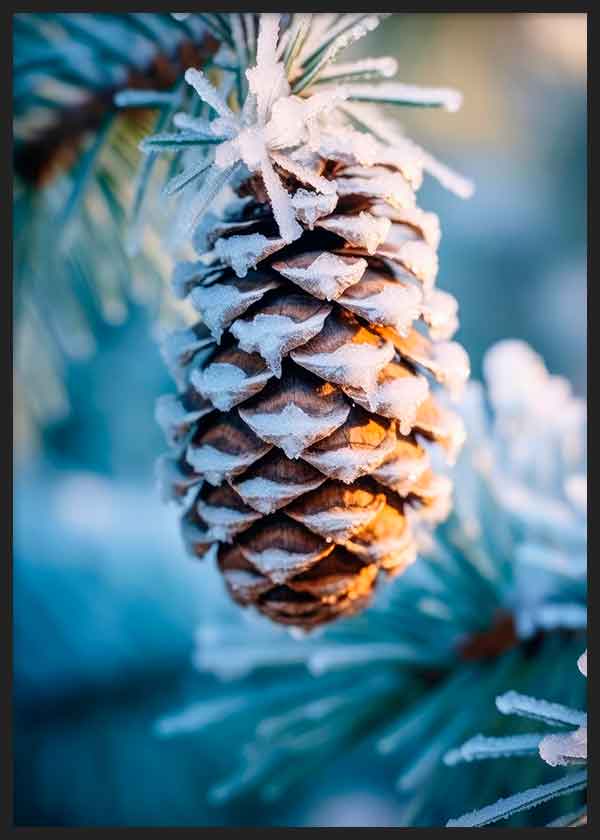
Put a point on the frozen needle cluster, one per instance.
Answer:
(558, 750)
(295, 104)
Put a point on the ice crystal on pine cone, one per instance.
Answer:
(561, 750)
(299, 434)
(497, 598)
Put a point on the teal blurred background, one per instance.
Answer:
(104, 599)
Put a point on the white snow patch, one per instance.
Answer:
(401, 472)
(400, 399)
(268, 496)
(392, 188)
(219, 304)
(273, 336)
(226, 385)
(421, 260)
(173, 418)
(396, 305)
(292, 429)
(244, 252)
(354, 364)
(348, 463)
(216, 466)
(224, 522)
(327, 276)
(362, 231)
(336, 523)
(310, 206)
(440, 313)
(278, 564)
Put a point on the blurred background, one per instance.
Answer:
(105, 600)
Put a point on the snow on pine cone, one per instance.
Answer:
(301, 432)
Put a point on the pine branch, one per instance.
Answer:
(40, 158)
(75, 158)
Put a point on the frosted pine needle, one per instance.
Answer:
(504, 808)
(281, 111)
(394, 93)
(553, 714)
(555, 749)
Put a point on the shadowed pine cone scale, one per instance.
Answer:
(302, 422)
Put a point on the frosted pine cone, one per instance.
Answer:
(300, 434)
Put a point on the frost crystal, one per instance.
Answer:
(556, 750)
(288, 109)
(244, 252)
(273, 336)
(326, 276)
(293, 429)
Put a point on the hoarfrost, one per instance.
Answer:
(327, 276)
(309, 207)
(362, 231)
(292, 429)
(216, 466)
(268, 496)
(244, 252)
(348, 463)
(504, 808)
(226, 385)
(554, 714)
(273, 336)
(279, 564)
(563, 750)
(394, 305)
(396, 93)
(480, 747)
(356, 365)
(386, 67)
(220, 303)
(209, 94)
(194, 204)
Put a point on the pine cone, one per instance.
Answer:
(299, 434)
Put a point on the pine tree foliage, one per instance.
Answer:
(75, 188)
(497, 599)
(564, 750)
(298, 436)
